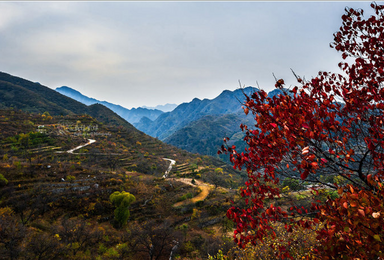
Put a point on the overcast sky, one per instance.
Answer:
(152, 53)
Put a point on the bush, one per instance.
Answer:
(293, 184)
(3, 180)
(185, 196)
(70, 178)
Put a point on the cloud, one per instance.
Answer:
(149, 53)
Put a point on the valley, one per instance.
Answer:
(62, 160)
(197, 126)
(59, 175)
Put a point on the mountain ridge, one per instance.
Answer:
(166, 124)
(205, 134)
(165, 108)
(35, 98)
(131, 115)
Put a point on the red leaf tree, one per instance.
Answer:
(332, 126)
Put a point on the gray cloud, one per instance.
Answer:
(149, 53)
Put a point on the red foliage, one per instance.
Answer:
(354, 225)
(331, 125)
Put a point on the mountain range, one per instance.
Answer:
(228, 102)
(55, 183)
(19, 94)
(131, 115)
(198, 126)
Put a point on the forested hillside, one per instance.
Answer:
(55, 199)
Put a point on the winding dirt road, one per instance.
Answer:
(204, 187)
(90, 141)
(169, 168)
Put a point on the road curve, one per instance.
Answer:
(90, 141)
(169, 168)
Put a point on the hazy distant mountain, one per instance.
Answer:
(201, 125)
(205, 135)
(33, 97)
(165, 108)
(228, 102)
(131, 115)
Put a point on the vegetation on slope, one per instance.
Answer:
(57, 205)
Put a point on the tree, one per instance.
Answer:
(77, 235)
(11, 235)
(42, 246)
(32, 204)
(122, 200)
(153, 239)
(332, 126)
(215, 177)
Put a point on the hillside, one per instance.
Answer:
(59, 166)
(131, 115)
(205, 135)
(32, 97)
(45, 189)
(58, 170)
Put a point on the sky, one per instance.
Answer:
(151, 53)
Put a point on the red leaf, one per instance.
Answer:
(361, 212)
(323, 160)
(304, 175)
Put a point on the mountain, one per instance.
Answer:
(33, 97)
(56, 184)
(205, 135)
(200, 126)
(23, 100)
(228, 102)
(165, 108)
(131, 115)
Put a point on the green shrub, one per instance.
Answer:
(185, 196)
(70, 178)
(3, 180)
(293, 184)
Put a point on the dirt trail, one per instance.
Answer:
(172, 162)
(205, 188)
(90, 141)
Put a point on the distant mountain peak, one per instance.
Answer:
(67, 88)
(131, 115)
(165, 108)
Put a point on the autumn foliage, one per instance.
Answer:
(325, 129)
